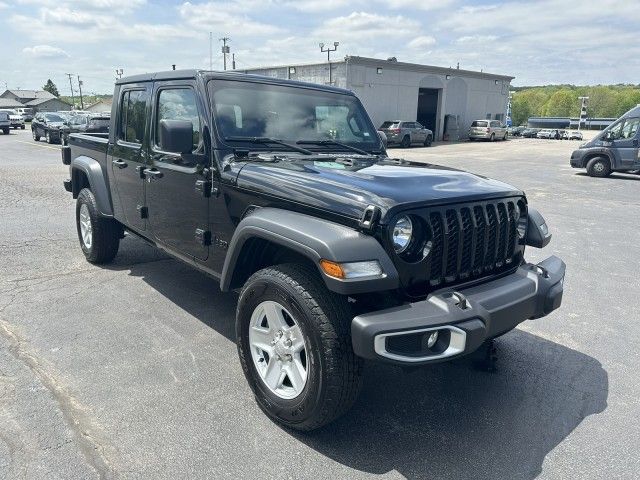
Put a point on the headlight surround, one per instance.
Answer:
(522, 221)
(401, 234)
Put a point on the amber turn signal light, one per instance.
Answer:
(332, 269)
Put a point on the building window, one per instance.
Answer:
(292, 70)
(379, 70)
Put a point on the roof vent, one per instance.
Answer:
(392, 59)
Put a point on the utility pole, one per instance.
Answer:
(225, 50)
(119, 72)
(210, 50)
(329, 50)
(80, 88)
(233, 61)
(73, 98)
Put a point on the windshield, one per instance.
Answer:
(51, 117)
(290, 114)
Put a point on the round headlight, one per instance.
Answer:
(401, 234)
(522, 222)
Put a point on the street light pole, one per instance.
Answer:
(329, 50)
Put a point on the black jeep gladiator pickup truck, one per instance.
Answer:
(283, 190)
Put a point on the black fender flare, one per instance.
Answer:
(95, 176)
(314, 238)
(597, 152)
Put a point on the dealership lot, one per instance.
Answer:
(130, 371)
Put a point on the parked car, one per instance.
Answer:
(5, 122)
(405, 134)
(47, 125)
(487, 130)
(27, 113)
(615, 149)
(515, 131)
(17, 120)
(86, 123)
(573, 135)
(545, 133)
(530, 133)
(340, 253)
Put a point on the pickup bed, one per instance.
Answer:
(284, 191)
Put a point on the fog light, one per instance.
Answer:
(433, 338)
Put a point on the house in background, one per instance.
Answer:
(101, 106)
(38, 100)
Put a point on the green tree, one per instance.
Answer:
(51, 88)
(562, 103)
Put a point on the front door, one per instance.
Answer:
(128, 158)
(178, 184)
(625, 143)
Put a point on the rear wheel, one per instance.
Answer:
(99, 237)
(21, 127)
(6, 130)
(599, 167)
(295, 349)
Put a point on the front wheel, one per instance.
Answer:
(492, 138)
(295, 349)
(406, 142)
(36, 137)
(47, 137)
(599, 167)
(21, 127)
(99, 237)
(428, 140)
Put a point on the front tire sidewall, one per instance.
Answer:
(599, 167)
(304, 406)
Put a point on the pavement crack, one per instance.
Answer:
(98, 453)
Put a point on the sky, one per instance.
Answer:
(584, 42)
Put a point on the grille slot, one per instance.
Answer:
(472, 240)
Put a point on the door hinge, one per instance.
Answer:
(203, 187)
(144, 211)
(203, 237)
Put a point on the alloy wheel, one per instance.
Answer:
(86, 229)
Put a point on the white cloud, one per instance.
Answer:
(476, 39)
(409, 5)
(423, 41)
(319, 6)
(224, 18)
(366, 26)
(44, 51)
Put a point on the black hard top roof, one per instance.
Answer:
(192, 73)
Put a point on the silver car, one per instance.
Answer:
(488, 130)
(406, 134)
(17, 120)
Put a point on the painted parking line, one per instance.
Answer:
(38, 145)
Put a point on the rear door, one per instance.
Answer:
(178, 185)
(130, 154)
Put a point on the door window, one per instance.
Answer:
(178, 104)
(629, 128)
(133, 110)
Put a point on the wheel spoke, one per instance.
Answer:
(261, 338)
(297, 341)
(297, 375)
(273, 375)
(275, 318)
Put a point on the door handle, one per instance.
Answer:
(119, 163)
(153, 173)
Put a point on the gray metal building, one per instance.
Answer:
(392, 90)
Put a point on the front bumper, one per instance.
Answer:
(463, 318)
(577, 158)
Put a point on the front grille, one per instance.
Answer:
(472, 240)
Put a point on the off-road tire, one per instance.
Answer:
(106, 232)
(599, 167)
(334, 375)
(406, 142)
(428, 140)
(36, 137)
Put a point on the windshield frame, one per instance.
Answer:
(213, 84)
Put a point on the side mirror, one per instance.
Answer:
(176, 136)
(608, 136)
(383, 138)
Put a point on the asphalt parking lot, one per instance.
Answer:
(130, 371)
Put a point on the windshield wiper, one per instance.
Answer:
(267, 140)
(333, 142)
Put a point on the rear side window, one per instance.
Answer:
(99, 122)
(178, 104)
(388, 125)
(133, 113)
(479, 124)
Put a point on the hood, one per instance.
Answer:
(347, 189)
